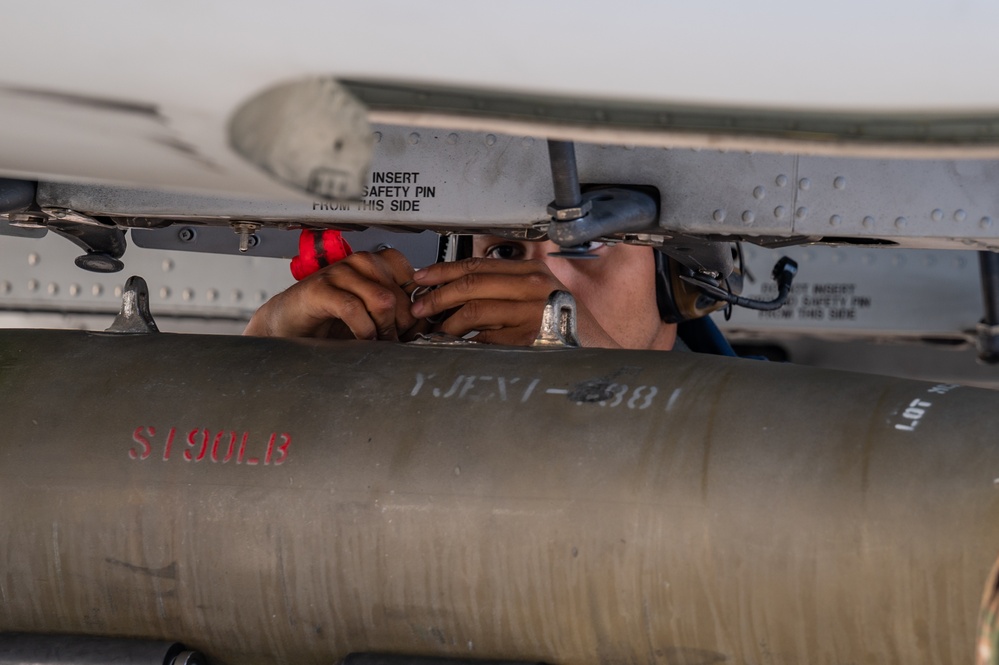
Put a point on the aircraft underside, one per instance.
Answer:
(171, 496)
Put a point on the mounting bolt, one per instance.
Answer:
(187, 234)
(247, 235)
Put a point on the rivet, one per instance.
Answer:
(937, 215)
(187, 294)
(719, 215)
(117, 292)
(759, 193)
(33, 259)
(748, 216)
(900, 222)
(237, 295)
(839, 182)
(376, 137)
(985, 223)
(414, 138)
(32, 285)
(212, 295)
(52, 288)
(599, 115)
(804, 184)
(490, 139)
(835, 220)
(781, 180)
(452, 138)
(959, 262)
(5, 287)
(801, 212)
(167, 265)
(96, 289)
(960, 215)
(779, 212)
(165, 293)
(261, 296)
(868, 222)
(74, 290)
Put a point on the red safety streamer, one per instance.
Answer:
(316, 250)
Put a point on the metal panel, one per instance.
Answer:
(427, 178)
(865, 292)
(420, 248)
(39, 275)
(898, 199)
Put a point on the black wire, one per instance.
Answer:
(783, 273)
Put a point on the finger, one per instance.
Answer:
(358, 295)
(367, 307)
(400, 273)
(388, 268)
(531, 286)
(440, 273)
(397, 263)
(522, 319)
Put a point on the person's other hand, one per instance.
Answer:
(359, 297)
(501, 299)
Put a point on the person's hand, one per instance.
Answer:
(501, 299)
(361, 297)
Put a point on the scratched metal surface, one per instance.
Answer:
(460, 501)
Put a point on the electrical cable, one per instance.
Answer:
(783, 273)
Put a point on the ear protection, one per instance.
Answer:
(680, 300)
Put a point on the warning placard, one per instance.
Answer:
(389, 191)
(820, 301)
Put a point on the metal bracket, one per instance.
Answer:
(134, 316)
(558, 323)
(103, 241)
(613, 210)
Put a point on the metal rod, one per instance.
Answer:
(987, 339)
(989, 267)
(564, 175)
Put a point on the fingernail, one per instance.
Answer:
(419, 274)
(417, 309)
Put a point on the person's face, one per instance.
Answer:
(618, 287)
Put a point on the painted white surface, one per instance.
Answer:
(890, 55)
(196, 61)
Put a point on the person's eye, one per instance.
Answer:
(507, 250)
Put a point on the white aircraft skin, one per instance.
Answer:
(192, 64)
